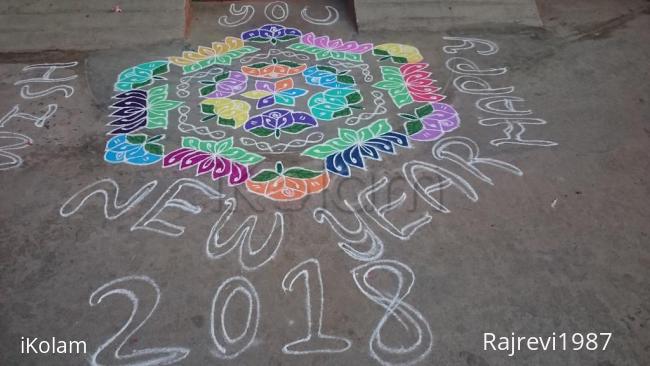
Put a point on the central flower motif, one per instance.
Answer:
(270, 93)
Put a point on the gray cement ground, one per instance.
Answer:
(563, 248)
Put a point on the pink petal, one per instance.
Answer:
(238, 175)
(205, 166)
(175, 156)
(193, 159)
(222, 167)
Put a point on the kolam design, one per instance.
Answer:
(276, 86)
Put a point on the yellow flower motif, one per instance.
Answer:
(229, 112)
(218, 48)
(399, 51)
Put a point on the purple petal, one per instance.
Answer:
(265, 86)
(254, 122)
(427, 135)
(250, 34)
(304, 118)
(266, 101)
(236, 75)
(279, 118)
(292, 32)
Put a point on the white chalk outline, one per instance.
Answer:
(38, 121)
(460, 86)
(223, 342)
(378, 214)
(302, 270)
(451, 179)
(15, 161)
(457, 69)
(26, 93)
(168, 355)
(282, 147)
(402, 311)
(46, 76)
(332, 16)
(112, 189)
(270, 15)
(376, 249)
(365, 68)
(485, 105)
(170, 200)
(468, 44)
(184, 82)
(510, 126)
(380, 109)
(273, 52)
(439, 152)
(185, 127)
(249, 259)
(246, 12)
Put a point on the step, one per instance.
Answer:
(27, 26)
(440, 15)
(89, 6)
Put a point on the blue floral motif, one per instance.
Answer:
(328, 77)
(352, 147)
(134, 149)
(271, 33)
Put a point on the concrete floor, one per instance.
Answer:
(562, 248)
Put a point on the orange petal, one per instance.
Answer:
(296, 184)
(318, 184)
(283, 84)
(287, 195)
(256, 187)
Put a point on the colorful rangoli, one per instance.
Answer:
(273, 93)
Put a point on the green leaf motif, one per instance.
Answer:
(379, 52)
(342, 113)
(413, 127)
(345, 79)
(320, 151)
(224, 59)
(223, 148)
(424, 110)
(207, 90)
(156, 149)
(262, 131)
(265, 176)
(158, 106)
(207, 108)
(226, 122)
(348, 138)
(141, 75)
(296, 128)
(379, 128)
(323, 54)
(302, 173)
(348, 135)
(136, 139)
(223, 76)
